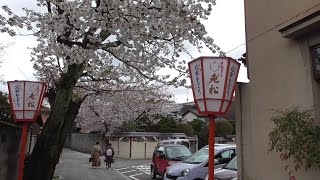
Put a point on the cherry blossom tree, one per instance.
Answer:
(108, 111)
(89, 47)
(2, 51)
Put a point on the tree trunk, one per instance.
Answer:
(49, 145)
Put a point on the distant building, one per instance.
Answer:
(189, 112)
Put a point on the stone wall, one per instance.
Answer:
(84, 142)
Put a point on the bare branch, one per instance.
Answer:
(49, 7)
(127, 63)
(93, 78)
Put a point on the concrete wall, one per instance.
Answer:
(150, 149)
(280, 77)
(138, 150)
(9, 151)
(115, 145)
(124, 150)
(85, 142)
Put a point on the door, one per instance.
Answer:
(162, 162)
(224, 157)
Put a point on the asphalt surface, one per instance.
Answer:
(75, 166)
(136, 172)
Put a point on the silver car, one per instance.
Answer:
(196, 166)
(227, 172)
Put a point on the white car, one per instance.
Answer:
(196, 165)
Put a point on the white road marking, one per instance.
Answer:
(122, 168)
(128, 171)
(143, 168)
(132, 176)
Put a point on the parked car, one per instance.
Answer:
(165, 155)
(184, 142)
(227, 172)
(196, 165)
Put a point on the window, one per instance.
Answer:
(232, 164)
(316, 61)
(227, 154)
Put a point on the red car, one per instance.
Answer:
(165, 155)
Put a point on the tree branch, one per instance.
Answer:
(93, 78)
(49, 7)
(127, 63)
(111, 44)
(140, 115)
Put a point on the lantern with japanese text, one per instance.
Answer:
(26, 99)
(213, 81)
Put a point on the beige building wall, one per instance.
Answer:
(280, 77)
(115, 147)
(124, 150)
(190, 117)
(150, 149)
(138, 150)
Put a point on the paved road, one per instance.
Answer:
(136, 172)
(75, 166)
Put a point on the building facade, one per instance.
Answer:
(282, 37)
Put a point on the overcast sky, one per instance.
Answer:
(225, 26)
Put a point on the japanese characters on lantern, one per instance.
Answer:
(213, 82)
(26, 99)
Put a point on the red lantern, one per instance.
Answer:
(213, 81)
(26, 99)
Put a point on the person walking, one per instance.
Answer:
(109, 153)
(95, 154)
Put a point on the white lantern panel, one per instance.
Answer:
(201, 106)
(29, 114)
(225, 105)
(19, 114)
(196, 75)
(214, 77)
(213, 105)
(16, 93)
(32, 95)
(232, 75)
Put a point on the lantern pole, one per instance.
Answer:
(212, 128)
(25, 96)
(23, 143)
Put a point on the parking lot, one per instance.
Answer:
(139, 172)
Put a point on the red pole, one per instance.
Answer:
(212, 125)
(23, 143)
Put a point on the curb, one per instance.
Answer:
(126, 177)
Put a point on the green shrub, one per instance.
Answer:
(185, 128)
(223, 127)
(295, 136)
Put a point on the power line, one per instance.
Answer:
(268, 30)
